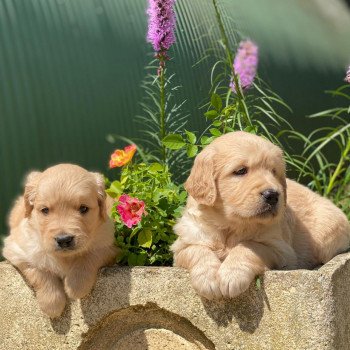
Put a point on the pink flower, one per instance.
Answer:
(130, 210)
(347, 78)
(245, 64)
(161, 24)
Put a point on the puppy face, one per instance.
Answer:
(65, 204)
(241, 176)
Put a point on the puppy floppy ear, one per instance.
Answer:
(30, 187)
(101, 194)
(201, 182)
(284, 181)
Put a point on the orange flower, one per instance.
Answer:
(121, 157)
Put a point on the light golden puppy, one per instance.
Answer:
(60, 234)
(243, 217)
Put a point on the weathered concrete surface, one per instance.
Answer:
(156, 308)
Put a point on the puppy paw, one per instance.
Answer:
(233, 281)
(52, 304)
(205, 283)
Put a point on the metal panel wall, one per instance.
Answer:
(70, 73)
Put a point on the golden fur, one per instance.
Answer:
(228, 234)
(55, 272)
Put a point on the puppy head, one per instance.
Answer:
(66, 205)
(240, 175)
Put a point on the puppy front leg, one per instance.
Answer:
(49, 290)
(80, 279)
(203, 265)
(244, 262)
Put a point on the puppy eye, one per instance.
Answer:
(274, 171)
(45, 210)
(83, 209)
(241, 171)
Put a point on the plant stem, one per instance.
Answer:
(223, 34)
(338, 168)
(162, 108)
(224, 38)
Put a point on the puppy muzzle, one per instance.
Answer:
(270, 202)
(270, 197)
(65, 241)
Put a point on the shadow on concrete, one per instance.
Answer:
(247, 309)
(62, 324)
(111, 292)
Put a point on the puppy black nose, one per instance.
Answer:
(64, 241)
(270, 196)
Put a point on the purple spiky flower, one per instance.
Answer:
(347, 78)
(161, 24)
(245, 64)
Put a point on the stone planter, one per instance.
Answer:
(156, 308)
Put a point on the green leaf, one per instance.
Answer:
(174, 141)
(191, 137)
(156, 195)
(162, 212)
(155, 167)
(141, 259)
(134, 231)
(216, 102)
(132, 259)
(163, 204)
(258, 283)
(124, 179)
(251, 129)
(192, 150)
(217, 123)
(183, 196)
(205, 140)
(111, 193)
(145, 238)
(116, 187)
(211, 114)
(215, 132)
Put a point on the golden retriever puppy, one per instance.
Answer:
(60, 234)
(243, 217)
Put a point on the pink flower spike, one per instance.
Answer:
(161, 24)
(130, 210)
(245, 64)
(347, 78)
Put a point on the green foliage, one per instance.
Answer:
(163, 116)
(174, 141)
(257, 110)
(148, 242)
(328, 178)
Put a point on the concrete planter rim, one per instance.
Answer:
(134, 306)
